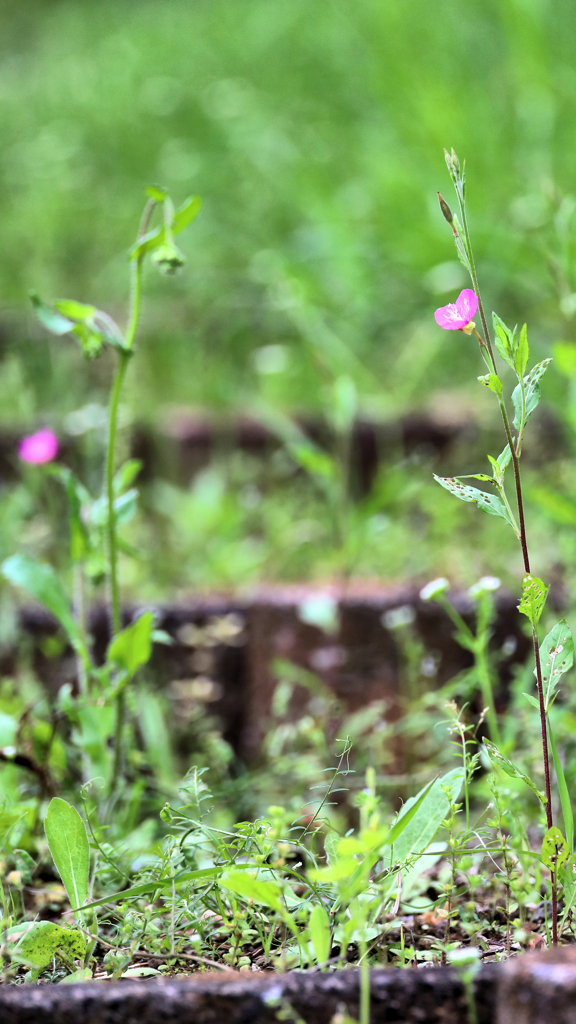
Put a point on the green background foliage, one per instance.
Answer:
(314, 133)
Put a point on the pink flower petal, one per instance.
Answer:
(467, 304)
(456, 315)
(39, 448)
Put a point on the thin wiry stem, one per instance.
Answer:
(124, 358)
(515, 453)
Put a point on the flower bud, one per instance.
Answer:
(446, 211)
(168, 258)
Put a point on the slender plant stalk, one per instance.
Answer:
(79, 589)
(515, 451)
(124, 358)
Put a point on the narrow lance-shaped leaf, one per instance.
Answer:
(186, 214)
(40, 580)
(505, 340)
(502, 762)
(489, 503)
(522, 352)
(532, 392)
(319, 925)
(565, 801)
(534, 594)
(556, 657)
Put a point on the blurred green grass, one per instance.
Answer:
(314, 132)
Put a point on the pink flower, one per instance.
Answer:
(457, 316)
(39, 448)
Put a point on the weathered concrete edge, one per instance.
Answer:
(432, 996)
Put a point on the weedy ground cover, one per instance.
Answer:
(328, 868)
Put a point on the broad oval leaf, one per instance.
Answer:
(45, 939)
(69, 847)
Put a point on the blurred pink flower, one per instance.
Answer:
(39, 448)
(457, 316)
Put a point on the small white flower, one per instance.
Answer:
(484, 585)
(435, 587)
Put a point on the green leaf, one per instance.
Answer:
(78, 498)
(534, 594)
(532, 392)
(126, 475)
(132, 647)
(432, 806)
(44, 940)
(565, 801)
(156, 193)
(82, 974)
(555, 850)
(314, 461)
(556, 657)
(532, 700)
(91, 326)
(69, 847)
(502, 762)
(124, 508)
(42, 583)
(491, 381)
(76, 311)
(505, 457)
(522, 352)
(150, 241)
(489, 503)
(267, 894)
(320, 937)
(49, 318)
(161, 885)
(186, 213)
(505, 340)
